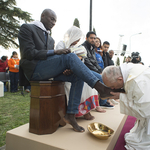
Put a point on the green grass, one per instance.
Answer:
(14, 111)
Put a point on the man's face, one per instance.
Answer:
(49, 19)
(91, 39)
(111, 54)
(105, 47)
(115, 85)
(128, 59)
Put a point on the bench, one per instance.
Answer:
(47, 106)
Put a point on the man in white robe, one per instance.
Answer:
(135, 79)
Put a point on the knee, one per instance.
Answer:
(72, 55)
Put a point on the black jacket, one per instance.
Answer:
(90, 61)
(111, 62)
(32, 49)
(107, 60)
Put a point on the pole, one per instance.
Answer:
(90, 28)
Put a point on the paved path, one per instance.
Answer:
(3, 147)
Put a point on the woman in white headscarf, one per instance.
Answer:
(89, 99)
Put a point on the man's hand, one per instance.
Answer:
(67, 72)
(62, 51)
(116, 95)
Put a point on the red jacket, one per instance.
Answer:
(3, 66)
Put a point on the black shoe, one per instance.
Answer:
(107, 105)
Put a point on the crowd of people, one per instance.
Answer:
(11, 66)
(92, 81)
(81, 72)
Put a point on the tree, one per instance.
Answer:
(94, 30)
(118, 62)
(124, 60)
(76, 23)
(10, 17)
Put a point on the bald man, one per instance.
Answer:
(135, 79)
(39, 61)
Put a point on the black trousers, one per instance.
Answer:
(14, 77)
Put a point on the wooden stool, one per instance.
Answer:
(47, 107)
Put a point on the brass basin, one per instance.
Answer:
(100, 130)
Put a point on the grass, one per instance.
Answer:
(14, 111)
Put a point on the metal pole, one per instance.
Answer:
(90, 28)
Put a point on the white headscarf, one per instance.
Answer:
(72, 35)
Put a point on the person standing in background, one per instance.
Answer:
(13, 64)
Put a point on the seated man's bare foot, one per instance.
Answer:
(70, 118)
(99, 109)
(88, 116)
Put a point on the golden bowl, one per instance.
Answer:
(100, 131)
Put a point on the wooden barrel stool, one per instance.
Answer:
(47, 106)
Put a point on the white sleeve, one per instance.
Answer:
(125, 105)
(60, 45)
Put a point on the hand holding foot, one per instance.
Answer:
(103, 90)
(70, 118)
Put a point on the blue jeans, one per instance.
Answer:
(54, 66)
(101, 102)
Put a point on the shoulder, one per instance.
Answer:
(10, 60)
(84, 44)
(60, 45)
(107, 54)
(27, 27)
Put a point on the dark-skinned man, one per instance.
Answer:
(39, 61)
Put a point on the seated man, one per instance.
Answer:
(135, 79)
(39, 61)
(3, 64)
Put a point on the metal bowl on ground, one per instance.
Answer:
(100, 130)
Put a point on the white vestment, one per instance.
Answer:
(136, 102)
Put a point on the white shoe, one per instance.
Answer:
(27, 90)
(113, 101)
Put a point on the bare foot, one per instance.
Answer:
(117, 100)
(99, 109)
(70, 119)
(88, 116)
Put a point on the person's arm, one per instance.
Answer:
(27, 45)
(10, 64)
